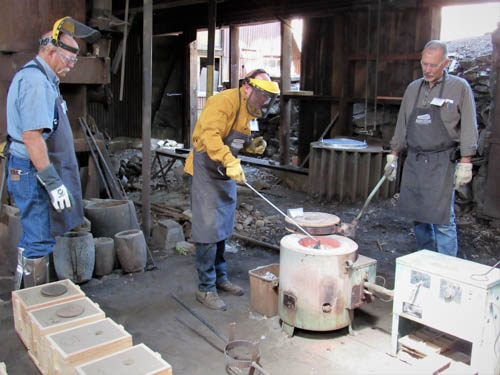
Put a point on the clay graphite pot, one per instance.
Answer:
(130, 248)
(74, 256)
(104, 255)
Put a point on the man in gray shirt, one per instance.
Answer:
(437, 117)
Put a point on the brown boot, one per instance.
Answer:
(228, 286)
(210, 300)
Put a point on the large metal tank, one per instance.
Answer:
(315, 287)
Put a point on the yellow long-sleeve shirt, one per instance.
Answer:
(215, 122)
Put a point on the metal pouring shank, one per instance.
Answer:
(317, 243)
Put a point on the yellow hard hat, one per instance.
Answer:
(265, 85)
(74, 28)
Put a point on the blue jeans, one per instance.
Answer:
(34, 205)
(440, 238)
(210, 264)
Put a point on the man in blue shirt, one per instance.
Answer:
(43, 177)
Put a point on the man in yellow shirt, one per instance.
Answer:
(222, 131)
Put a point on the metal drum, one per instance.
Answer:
(314, 285)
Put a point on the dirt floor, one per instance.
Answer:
(142, 302)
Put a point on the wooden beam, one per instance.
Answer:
(387, 57)
(212, 16)
(286, 105)
(234, 46)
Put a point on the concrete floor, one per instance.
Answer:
(142, 303)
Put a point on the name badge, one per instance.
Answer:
(424, 119)
(438, 102)
(254, 126)
(64, 106)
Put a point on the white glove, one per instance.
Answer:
(463, 174)
(59, 196)
(391, 167)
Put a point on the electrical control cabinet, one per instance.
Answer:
(452, 295)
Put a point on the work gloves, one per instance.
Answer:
(391, 167)
(257, 146)
(463, 174)
(60, 197)
(234, 170)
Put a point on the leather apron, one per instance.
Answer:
(62, 155)
(427, 181)
(213, 195)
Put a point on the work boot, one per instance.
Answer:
(228, 286)
(210, 300)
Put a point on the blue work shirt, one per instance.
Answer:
(30, 104)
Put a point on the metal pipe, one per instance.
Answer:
(147, 79)
(379, 289)
(200, 318)
(124, 50)
(253, 240)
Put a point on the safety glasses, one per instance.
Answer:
(67, 60)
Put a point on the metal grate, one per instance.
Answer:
(347, 175)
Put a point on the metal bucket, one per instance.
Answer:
(314, 282)
(74, 256)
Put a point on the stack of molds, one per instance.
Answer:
(68, 334)
(29, 299)
(56, 318)
(85, 343)
(137, 360)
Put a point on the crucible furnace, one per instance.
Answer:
(320, 288)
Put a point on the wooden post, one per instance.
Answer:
(234, 40)
(191, 104)
(212, 16)
(285, 104)
(147, 80)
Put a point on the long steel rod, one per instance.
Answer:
(96, 159)
(200, 318)
(113, 179)
(374, 191)
(281, 212)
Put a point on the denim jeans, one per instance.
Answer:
(34, 205)
(440, 238)
(210, 264)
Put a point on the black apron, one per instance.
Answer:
(61, 152)
(213, 195)
(428, 174)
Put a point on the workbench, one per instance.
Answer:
(182, 153)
